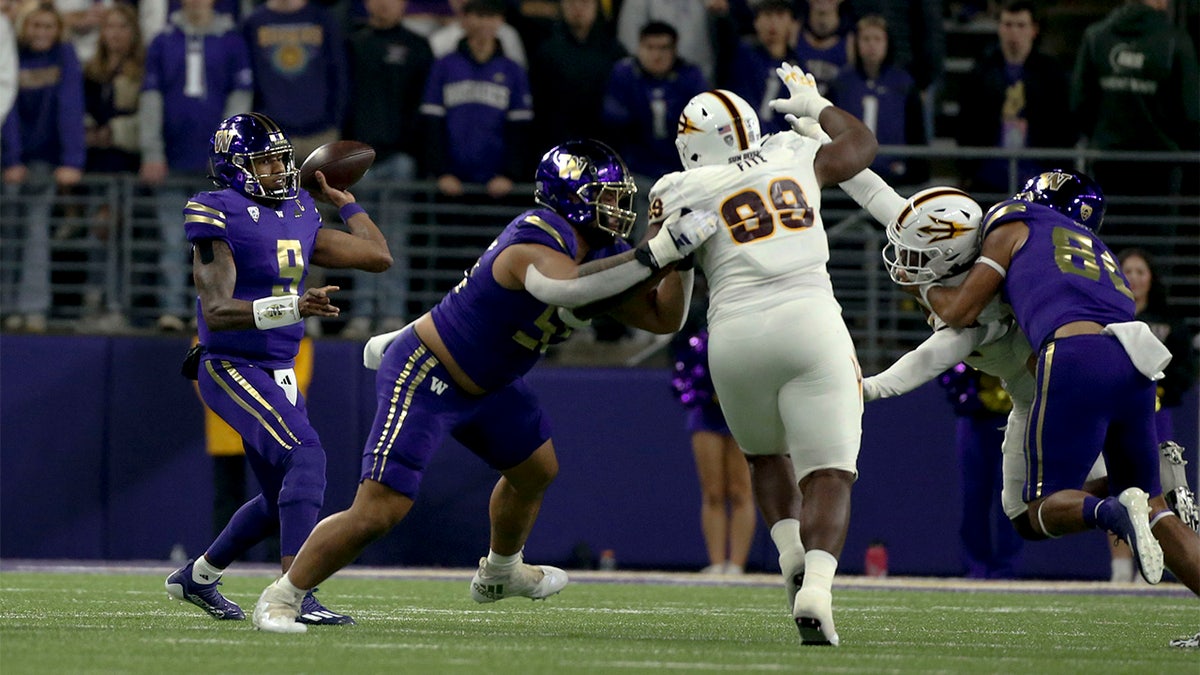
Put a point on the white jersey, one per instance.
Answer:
(773, 242)
(782, 361)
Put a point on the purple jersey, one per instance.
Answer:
(494, 333)
(1062, 273)
(271, 247)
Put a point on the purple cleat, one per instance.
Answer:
(182, 587)
(313, 613)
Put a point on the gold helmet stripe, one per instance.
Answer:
(738, 125)
(913, 205)
(267, 122)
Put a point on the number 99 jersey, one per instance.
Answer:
(769, 207)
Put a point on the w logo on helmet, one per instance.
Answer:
(572, 169)
(223, 139)
(1052, 180)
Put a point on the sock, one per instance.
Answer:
(285, 584)
(1090, 506)
(502, 561)
(786, 535)
(819, 568)
(205, 573)
(1122, 569)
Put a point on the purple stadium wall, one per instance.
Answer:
(102, 457)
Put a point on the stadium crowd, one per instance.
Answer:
(471, 92)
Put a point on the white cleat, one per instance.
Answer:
(813, 612)
(276, 611)
(1135, 530)
(521, 581)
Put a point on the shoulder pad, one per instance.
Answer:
(1005, 212)
(205, 211)
(543, 228)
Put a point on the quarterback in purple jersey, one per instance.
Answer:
(253, 241)
(1095, 366)
(457, 371)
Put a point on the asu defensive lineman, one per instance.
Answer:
(781, 358)
(253, 241)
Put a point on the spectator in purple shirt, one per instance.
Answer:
(298, 56)
(43, 151)
(646, 94)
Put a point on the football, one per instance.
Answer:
(343, 163)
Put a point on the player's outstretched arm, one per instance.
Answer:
(556, 279)
(852, 146)
(929, 359)
(960, 306)
(364, 247)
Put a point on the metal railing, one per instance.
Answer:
(106, 247)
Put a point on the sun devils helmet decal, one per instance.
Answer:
(934, 237)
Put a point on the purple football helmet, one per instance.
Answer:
(241, 139)
(1071, 193)
(587, 183)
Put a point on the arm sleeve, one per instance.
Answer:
(932, 357)
(870, 191)
(586, 288)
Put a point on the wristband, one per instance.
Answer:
(276, 311)
(350, 210)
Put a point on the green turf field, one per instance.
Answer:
(124, 622)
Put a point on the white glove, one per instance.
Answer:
(376, 346)
(870, 389)
(803, 98)
(807, 127)
(679, 236)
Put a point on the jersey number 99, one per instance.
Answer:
(749, 217)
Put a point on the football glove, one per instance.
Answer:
(804, 100)
(679, 236)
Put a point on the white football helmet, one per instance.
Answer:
(934, 237)
(716, 127)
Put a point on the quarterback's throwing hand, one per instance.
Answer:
(679, 236)
(804, 100)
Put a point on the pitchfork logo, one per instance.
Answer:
(943, 229)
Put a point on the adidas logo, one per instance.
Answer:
(492, 591)
(204, 577)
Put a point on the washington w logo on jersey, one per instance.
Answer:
(438, 386)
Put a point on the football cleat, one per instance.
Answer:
(813, 612)
(182, 587)
(537, 582)
(1187, 642)
(1133, 526)
(313, 613)
(278, 611)
(1178, 495)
